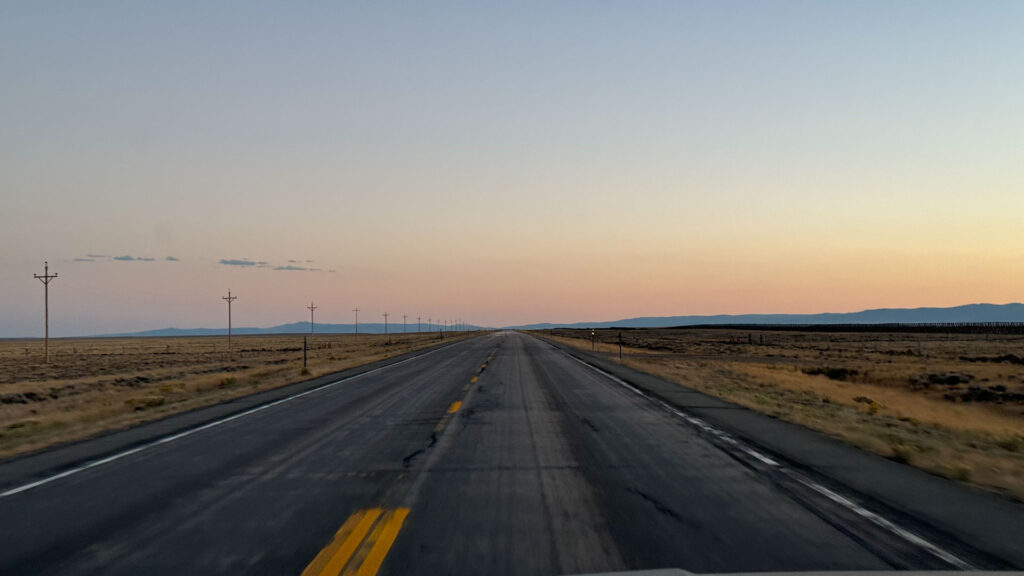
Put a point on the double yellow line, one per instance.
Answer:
(359, 547)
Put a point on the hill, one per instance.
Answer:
(970, 313)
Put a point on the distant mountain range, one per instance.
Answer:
(292, 328)
(969, 313)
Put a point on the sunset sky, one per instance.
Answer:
(505, 163)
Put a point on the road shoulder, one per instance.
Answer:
(984, 521)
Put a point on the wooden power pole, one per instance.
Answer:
(229, 298)
(45, 279)
(311, 308)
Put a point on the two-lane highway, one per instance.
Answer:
(496, 455)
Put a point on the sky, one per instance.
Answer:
(505, 163)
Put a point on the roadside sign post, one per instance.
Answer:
(593, 340)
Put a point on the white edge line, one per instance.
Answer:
(190, 431)
(887, 524)
(830, 494)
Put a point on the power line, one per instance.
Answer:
(45, 279)
(229, 299)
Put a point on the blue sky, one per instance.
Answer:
(507, 163)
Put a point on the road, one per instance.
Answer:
(495, 455)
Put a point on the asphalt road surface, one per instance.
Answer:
(495, 455)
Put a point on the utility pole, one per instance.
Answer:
(356, 310)
(386, 326)
(403, 323)
(311, 308)
(45, 279)
(419, 328)
(229, 299)
(430, 324)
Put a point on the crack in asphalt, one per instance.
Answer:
(658, 505)
(407, 461)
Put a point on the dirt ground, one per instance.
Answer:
(95, 384)
(950, 404)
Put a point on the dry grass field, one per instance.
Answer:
(950, 404)
(97, 384)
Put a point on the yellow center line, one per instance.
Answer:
(455, 407)
(332, 559)
(382, 538)
(474, 379)
(360, 546)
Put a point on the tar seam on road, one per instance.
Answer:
(190, 431)
(848, 503)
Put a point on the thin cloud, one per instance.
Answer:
(127, 258)
(293, 265)
(97, 256)
(172, 259)
(84, 260)
(245, 263)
